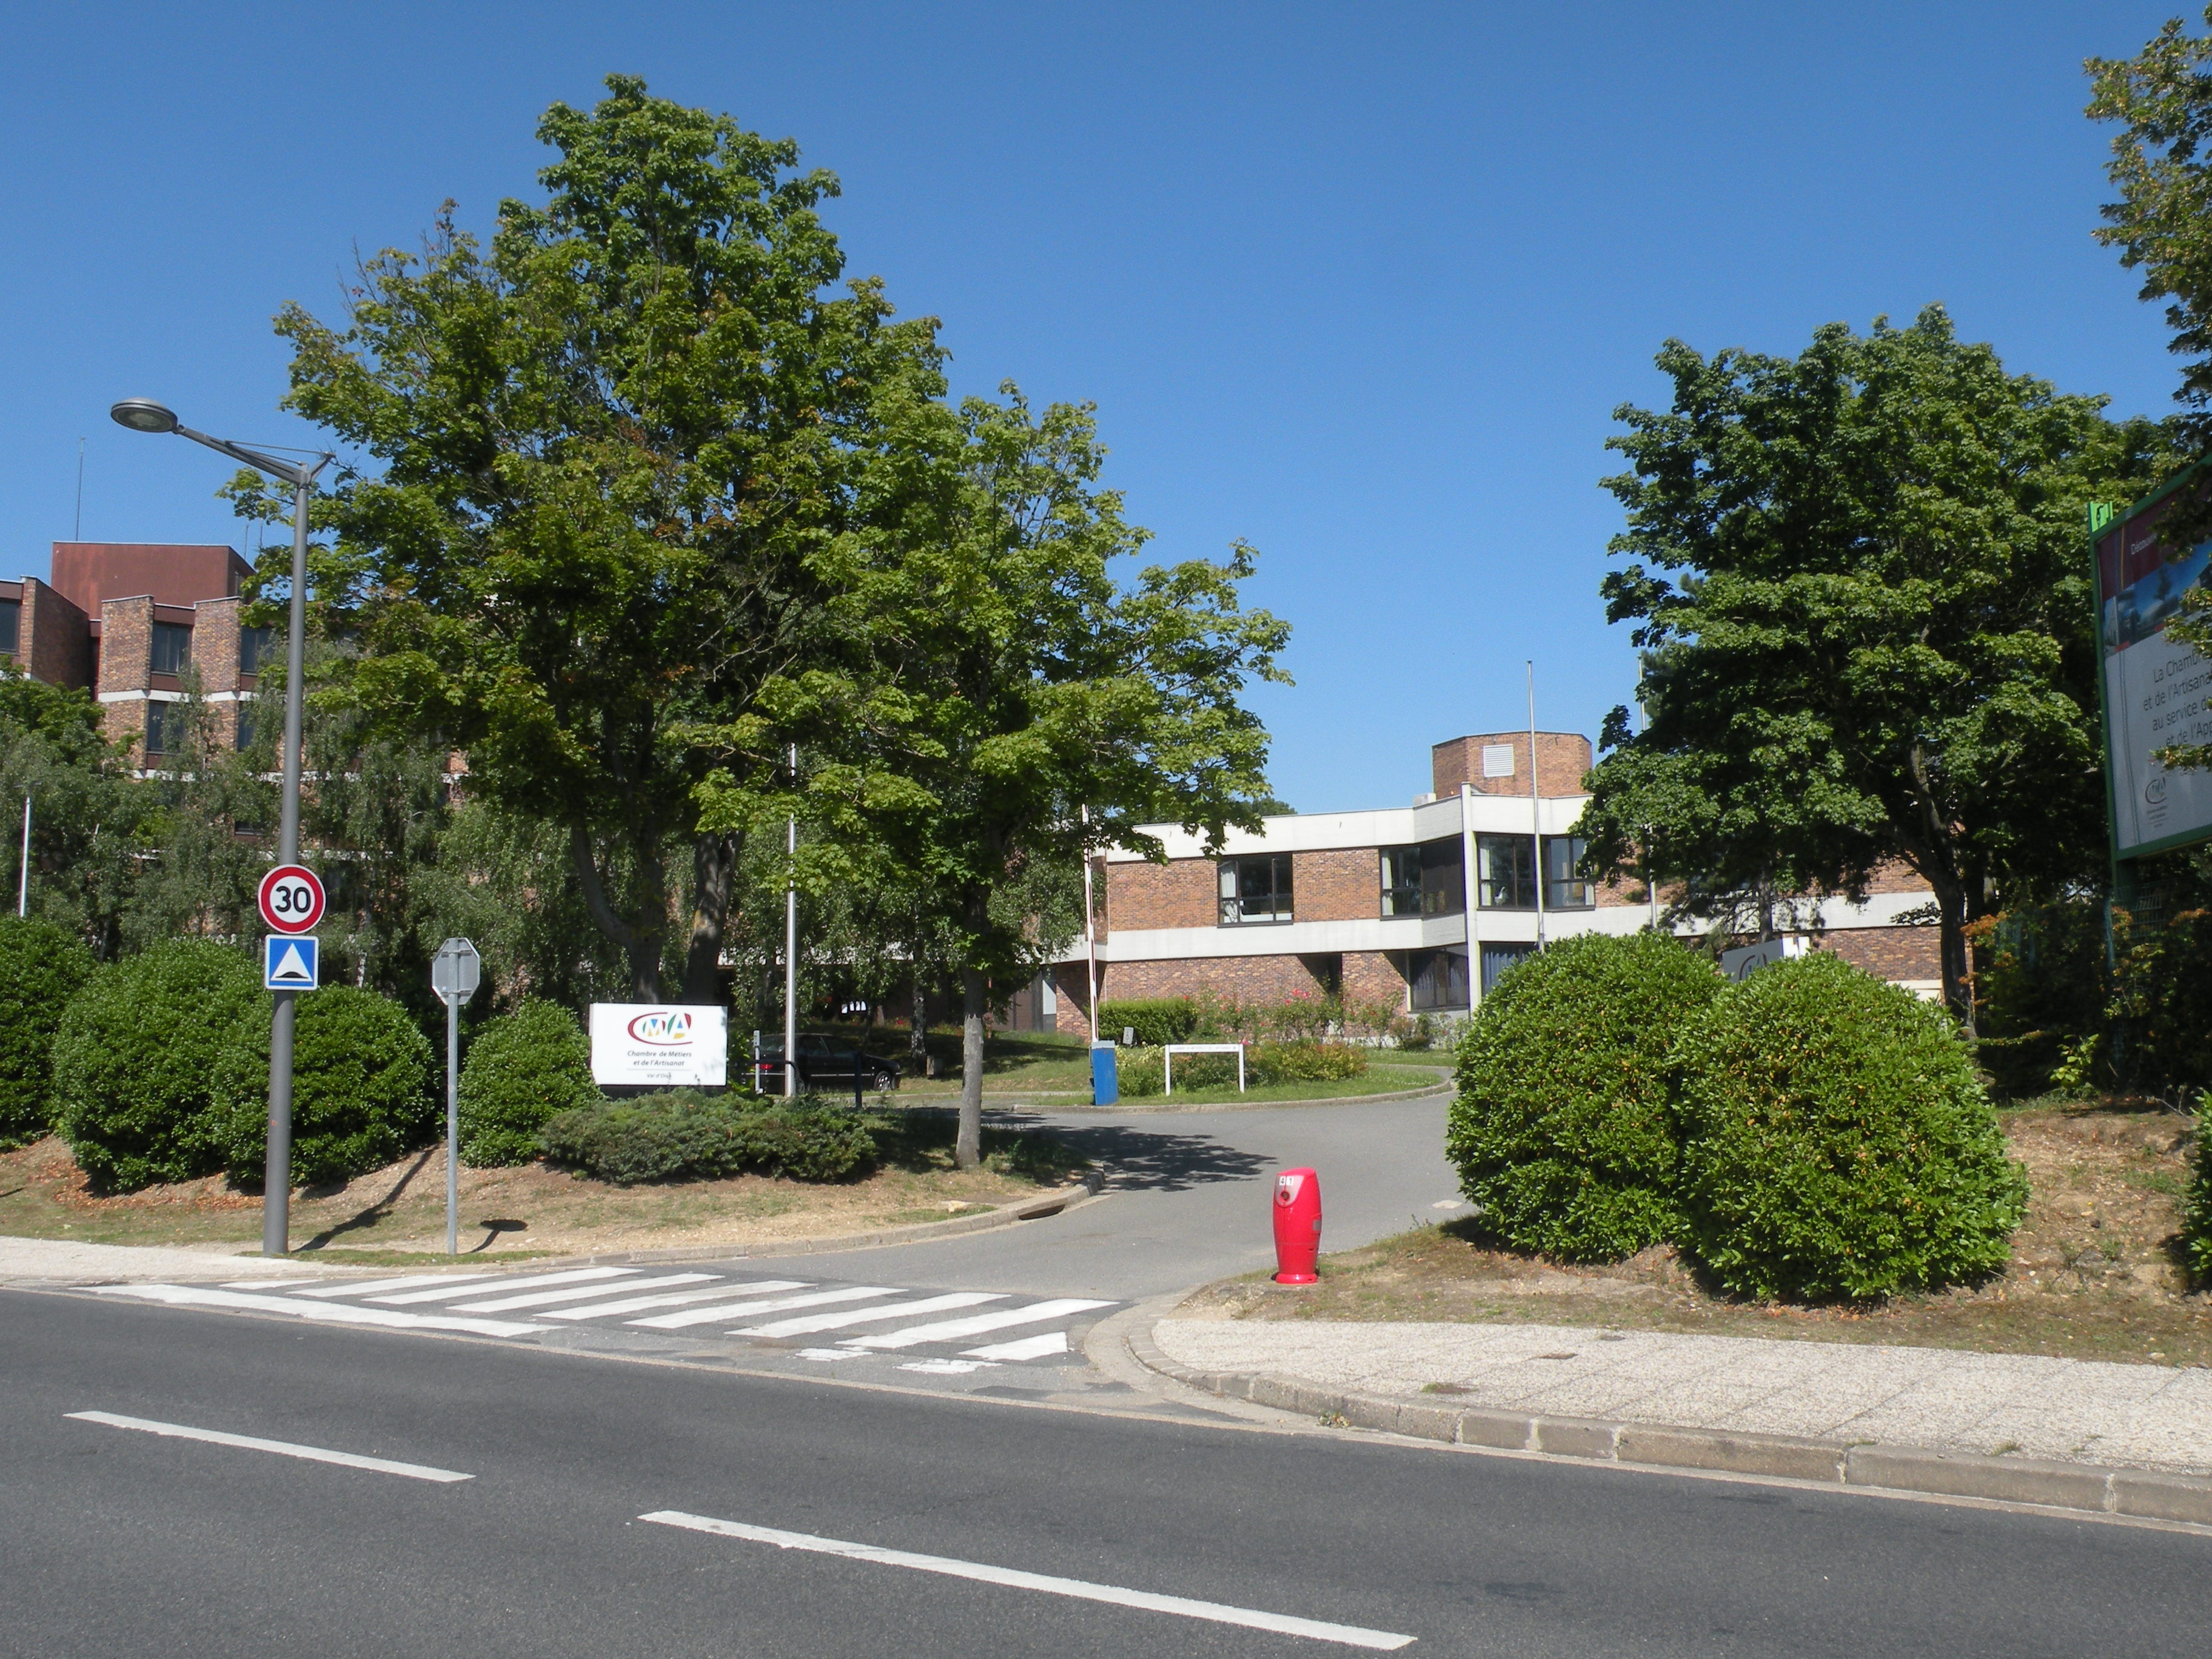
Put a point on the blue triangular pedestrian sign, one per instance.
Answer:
(289, 962)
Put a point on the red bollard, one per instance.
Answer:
(1297, 1227)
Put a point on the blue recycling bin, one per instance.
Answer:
(1105, 1081)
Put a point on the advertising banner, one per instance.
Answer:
(2156, 689)
(666, 1044)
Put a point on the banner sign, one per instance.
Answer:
(669, 1044)
(2156, 688)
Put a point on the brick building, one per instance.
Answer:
(1422, 907)
(138, 624)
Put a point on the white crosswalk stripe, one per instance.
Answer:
(813, 1322)
(332, 1313)
(1023, 1347)
(945, 1329)
(374, 1286)
(676, 1322)
(546, 1298)
(573, 1276)
(681, 1299)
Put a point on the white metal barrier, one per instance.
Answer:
(1170, 1051)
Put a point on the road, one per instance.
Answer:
(120, 1543)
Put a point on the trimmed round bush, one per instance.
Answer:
(360, 1087)
(41, 967)
(1836, 1141)
(135, 1062)
(523, 1070)
(682, 1134)
(1562, 1130)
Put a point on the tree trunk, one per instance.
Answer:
(640, 945)
(968, 1149)
(1958, 990)
(713, 875)
(917, 1041)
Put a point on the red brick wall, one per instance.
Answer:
(1181, 893)
(1896, 876)
(1562, 759)
(126, 663)
(1071, 981)
(1889, 952)
(1373, 977)
(1247, 979)
(57, 637)
(1340, 884)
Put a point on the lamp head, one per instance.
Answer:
(145, 415)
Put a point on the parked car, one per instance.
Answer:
(826, 1060)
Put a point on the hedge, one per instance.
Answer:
(1836, 1141)
(523, 1070)
(1304, 1062)
(360, 1087)
(681, 1133)
(1562, 1131)
(135, 1062)
(2196, 1207)
(41, 967)
(1166, 1020)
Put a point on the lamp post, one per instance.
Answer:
(145, 415)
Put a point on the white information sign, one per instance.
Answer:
(2156, 689)
(671, 1044)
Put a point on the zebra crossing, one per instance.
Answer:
(945, 1333)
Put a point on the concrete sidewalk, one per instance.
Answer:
(59, 1260)
(1973, 1405)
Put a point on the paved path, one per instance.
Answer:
(2156, 1417)
(36, 1259)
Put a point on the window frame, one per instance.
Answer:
(254, 644)
(1523, 884)
(1230, 890)
(1554, 886)
(171, 633)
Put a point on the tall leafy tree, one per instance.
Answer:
(1859, 582)
(1000, 678)
(600, 453)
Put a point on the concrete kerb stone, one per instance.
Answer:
(2044, 1483)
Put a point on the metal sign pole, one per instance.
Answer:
(452, 1123)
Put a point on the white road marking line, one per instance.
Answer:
(282, 1448)
(946, 1329)
(267, 1284)
(676, 1322)
(541, 1299)
(329, 1313)
(948, 1367)
(638, 1304)
(1026, 1347)
(372, 1287)
(825, 1354)
(573, 1276)
(1218, 1613)
(813, 1322)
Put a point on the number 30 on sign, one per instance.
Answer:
(291, 899)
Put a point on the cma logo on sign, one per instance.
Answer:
(2155, 790)
(662, 1027)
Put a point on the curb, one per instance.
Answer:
(2141, 1493)
(1005, 1215)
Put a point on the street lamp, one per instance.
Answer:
(145, 415)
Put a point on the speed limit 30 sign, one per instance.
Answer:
(291, 899)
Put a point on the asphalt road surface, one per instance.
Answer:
(120, 1541)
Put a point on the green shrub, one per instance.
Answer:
(1142, 1072)
(1836, 1142)
(681, 1133)
(135, 1062)
(41, 967)
(523, 1070)
(1169, 1019)
(1138, 1072)
(2196, 1208)
(360, 1087)
(1303, 1063)
(1561, 1130)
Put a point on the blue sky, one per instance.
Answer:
(1362, 284)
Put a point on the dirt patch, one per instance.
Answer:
(531, 1210)
(2095, 1271)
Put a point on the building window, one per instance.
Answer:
(11, 627)
(1425, 880)
(1436, 979)
(1255, 889)
(173, 648)
(252, 645)
(1563, 888)
(244, 725)
(164, 727)
(1504, 872)
(1496, 958)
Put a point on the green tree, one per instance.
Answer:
(1876, 642)
(1010, 680)
(41, 969)
(94, 827)
(606, 447)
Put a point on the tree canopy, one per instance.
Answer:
(1858, 581)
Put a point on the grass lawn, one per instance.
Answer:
(1045, 1063)
(2095, 1273)
(398, 1214)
